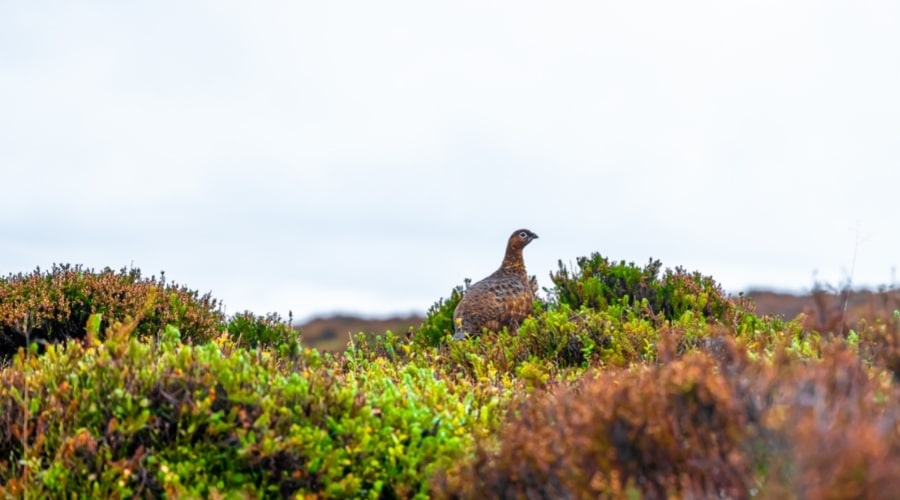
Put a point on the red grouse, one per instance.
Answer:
(504, 298)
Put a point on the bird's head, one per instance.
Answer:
(520, 238)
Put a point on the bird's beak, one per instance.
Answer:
(533, 236)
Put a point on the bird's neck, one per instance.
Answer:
(513, 263)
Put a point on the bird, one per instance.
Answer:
(504, 298)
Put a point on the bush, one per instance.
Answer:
(271, 331)
(599, 284)
(438, 324)
(673, 429)
(627, 383)
(123, 417)
(53, 306)
(711, 423)
(879, 343)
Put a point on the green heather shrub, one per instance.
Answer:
(563, 342)
(560, 339)
(484, 386)
(263, 331)
(438, 324)
(600, 284)
(123, 417)
(55, 305)
(630, 293)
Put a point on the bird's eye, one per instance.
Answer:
(523, 234)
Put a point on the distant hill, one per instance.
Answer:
(823, 311)
(332, 332)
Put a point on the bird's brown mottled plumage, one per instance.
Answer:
(504, 298)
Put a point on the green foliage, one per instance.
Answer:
(482, 386)
(562, 340)
(263, 331)
(601, 284)
(629, 382)
(438, 324)
(188, 421)
(55, 305)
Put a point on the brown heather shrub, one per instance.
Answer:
(879, 343)
(660, 430)
(55, 305)
(715, 422)
(840, 422)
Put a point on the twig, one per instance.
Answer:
(850, 279)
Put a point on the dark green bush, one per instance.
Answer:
(272, 331)
(438, 324)
(53, 306)
(600, 284)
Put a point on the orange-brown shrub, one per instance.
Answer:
(671, 428)
(879, 343)
(840, 422)
(55, 305)
(711, 423)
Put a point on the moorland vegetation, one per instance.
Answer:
(627, 381)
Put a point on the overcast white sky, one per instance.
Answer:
(368, 156)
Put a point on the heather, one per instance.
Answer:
(628, 381)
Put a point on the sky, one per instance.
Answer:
(367, 157)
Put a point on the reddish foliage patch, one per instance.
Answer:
(708, 424)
